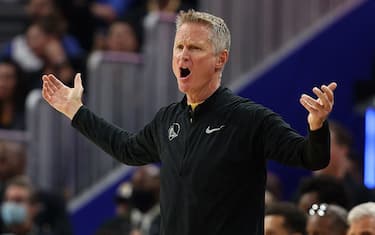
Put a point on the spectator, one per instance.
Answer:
(44, 49)
(12, 162)
(12, 96)
(122, 37)
(20, 208)
(52, 214)
(325, 219)
(341, 163)
(361, 219)
(284, 219)
(120, 224)
(321, 189)
(145, 200)
(106, 12)
(28, 212)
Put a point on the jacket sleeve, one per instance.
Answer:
(131, 149)
(283, 144)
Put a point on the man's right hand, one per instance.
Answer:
(64, 99)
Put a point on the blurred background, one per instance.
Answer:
(123, 48)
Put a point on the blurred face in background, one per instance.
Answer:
(12, 159)
(121, 37)
(17, 203)
(37, 39)
(8, 81)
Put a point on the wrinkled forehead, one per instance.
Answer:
(193, 31)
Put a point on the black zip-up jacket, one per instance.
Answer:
(213, 160)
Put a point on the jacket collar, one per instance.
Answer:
(209, 102)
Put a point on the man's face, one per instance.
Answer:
(194, 60)
(274, 225)
(364, 226)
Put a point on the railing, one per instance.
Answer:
(261, 27)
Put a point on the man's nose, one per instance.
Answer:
(185, 54)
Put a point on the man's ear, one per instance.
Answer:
(221, 60)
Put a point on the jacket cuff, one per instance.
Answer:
(77, 116)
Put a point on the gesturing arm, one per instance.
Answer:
(283, 144)
(132, 149)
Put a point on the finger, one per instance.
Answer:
(307, 105)
(49, 91)
(322, 97)
(44, 78)
(45, 95)
(50, 86)
(328, 92)
(313, 102)
(56, 82)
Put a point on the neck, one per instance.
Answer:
(203, 94)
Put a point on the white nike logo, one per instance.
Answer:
(209, 131)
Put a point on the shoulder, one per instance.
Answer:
(247, 107)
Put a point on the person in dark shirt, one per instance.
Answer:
(213, 145)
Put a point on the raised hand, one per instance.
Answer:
(64, 99)
(319, 108)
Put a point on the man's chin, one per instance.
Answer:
(183, 88)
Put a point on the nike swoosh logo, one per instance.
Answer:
(209, 131)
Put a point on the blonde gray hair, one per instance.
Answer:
(361, 211)
(220, 34)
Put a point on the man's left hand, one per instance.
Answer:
(319, 108)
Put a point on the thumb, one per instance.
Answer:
(78, 81)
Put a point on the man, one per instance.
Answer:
(213, 145)
(326, 219)
(284, 219)
(145, 213)
(19, 208)
(361, 219)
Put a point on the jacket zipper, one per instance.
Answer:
(187, 142)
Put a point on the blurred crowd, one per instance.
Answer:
(58, 38)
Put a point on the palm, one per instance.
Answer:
(64, 99)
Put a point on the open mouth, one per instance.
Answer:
(184, 72)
